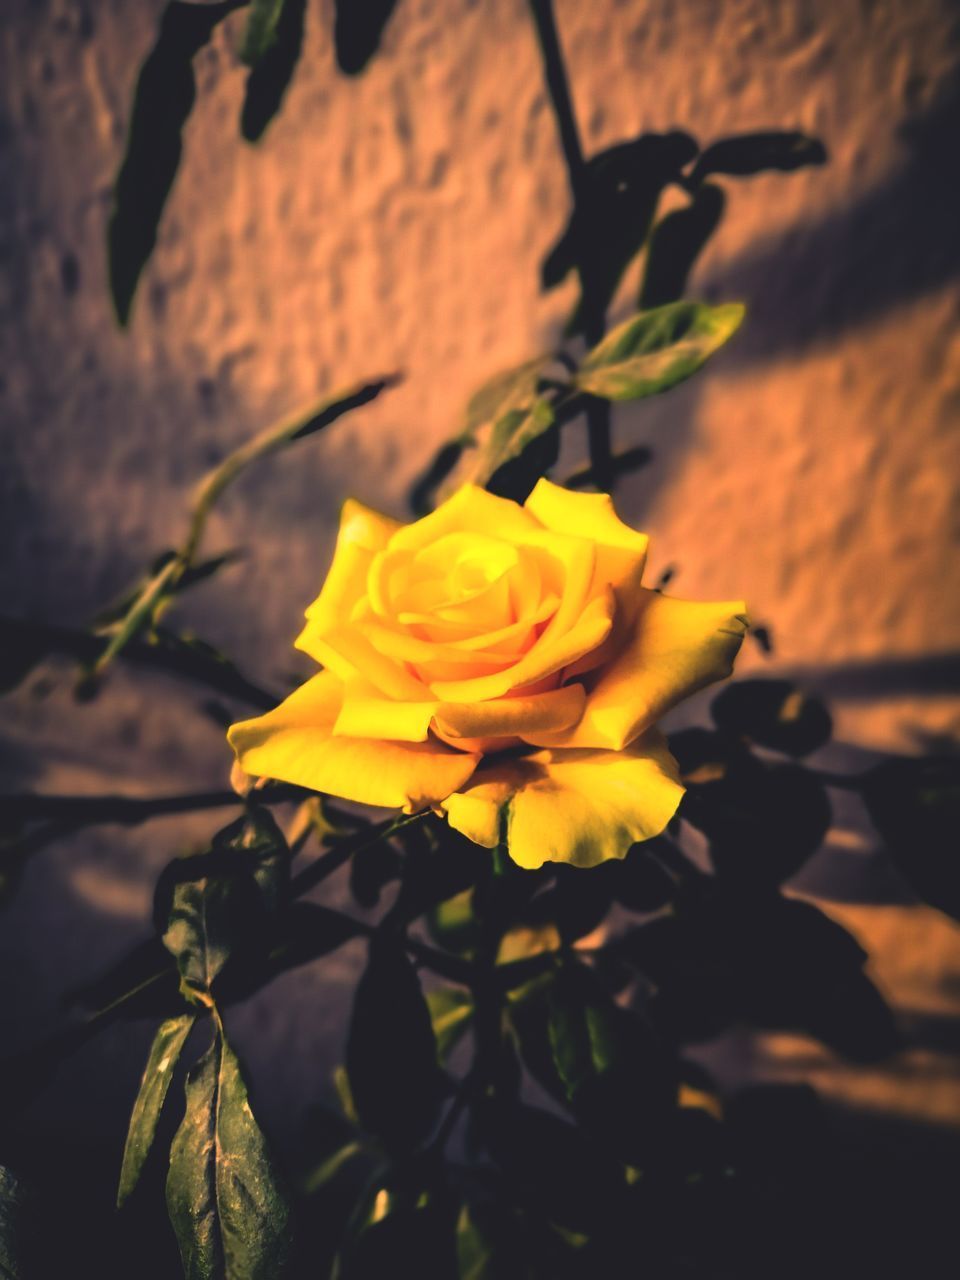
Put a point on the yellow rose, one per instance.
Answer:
(500, 663)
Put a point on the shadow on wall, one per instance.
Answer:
(894, 244)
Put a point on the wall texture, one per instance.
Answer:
(397, 221)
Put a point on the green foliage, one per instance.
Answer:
(656, 349)
(164, 1055)
(586, 984)
(211, 904)
(229, 1213)
(273, 54)
(260, 34)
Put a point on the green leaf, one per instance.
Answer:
(191, 577)
(216, 902)
(451, 1011)
(510, 389)
(11, 1214)
(655, 350)
(507, 439)
(395, 1081)
(503, 416)
(273, 70)
(260, 33)
(915, 806)
(752, 153)
(164, 1054)
(773, 713)
(163, 100)
(229, 1214)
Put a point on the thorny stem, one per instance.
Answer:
(597, 411)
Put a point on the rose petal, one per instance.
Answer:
(551, 652)
(294, 743)
(621, 551)
(470, 509)
(365, 713)
(581, 807)
(511, 717)
(674, 647)
(361, 535)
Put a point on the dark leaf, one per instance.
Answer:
(620, 1079)
(451, 1012)
(675, 244)
(453, 925)
(224, 900)
(550, 1164)
(164, 1054)
(773, 713)
(371, 869)
(415, 1240)
(273, 64)
(392, 1066)
(655, 350)
(763, 821)
(614, 208)
(534, 450)
(915, 806)
(357, 30)
(433, 874)
(11, 1217)
(426, 485)
(640, 881)
(225, 1204)
(305, 931)
(766, 961)
(163, 100)
(752, 153)
(495, 1242)
(576, 903)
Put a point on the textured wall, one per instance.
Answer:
(397, 221)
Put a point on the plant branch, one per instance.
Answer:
(42, 638)
(83, 811)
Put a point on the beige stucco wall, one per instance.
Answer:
(397, 221)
